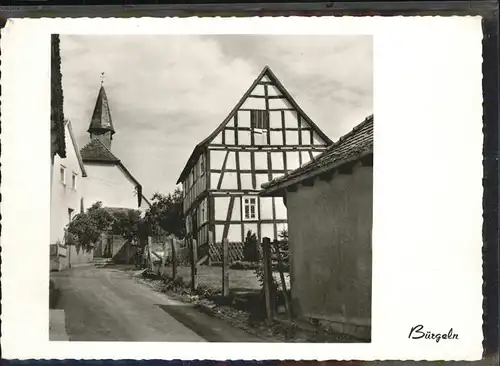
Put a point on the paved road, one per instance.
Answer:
(106, 304)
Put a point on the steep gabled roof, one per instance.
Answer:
(96, 152)
(265, 72)
(353, 146)
(77, 150)
(101, 118)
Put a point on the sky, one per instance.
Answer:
(167, 93)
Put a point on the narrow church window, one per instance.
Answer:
(259, 119)
(62, 174)
(250, 208)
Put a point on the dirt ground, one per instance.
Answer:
(240, 279)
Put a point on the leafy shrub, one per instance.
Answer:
(251, 249)
(244, 265)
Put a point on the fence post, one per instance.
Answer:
(194, 260)
(282, 276)
(225, 267)
(150, 255)
(174, 258)
(266, 257)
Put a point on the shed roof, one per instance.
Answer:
(353, 146)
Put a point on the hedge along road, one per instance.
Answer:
(106, 304)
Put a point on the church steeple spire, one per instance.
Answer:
(101, 125)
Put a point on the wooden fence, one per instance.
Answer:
(235, 251)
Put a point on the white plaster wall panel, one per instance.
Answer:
(317, 140)
(236, 215)
(292, 160)
(260, 139)
(276, 138)
(243, 119)
(246, 181)
(229, 137)
(280, 208)
(230, 123)
(265, 78)
(305, 157)
(214, 180)
(254, 103)
(292, 137)
(316, 153)
(267, 231)
(266, 208)
(217, 159)
(291, 119)
(245, 160)
(217, 139)
(281, 226)
(261, 179)
(275, 103)
(277, 175)
(244, 138)
(250, 226)
(234, 233)
(277, 160)
(221, 206)
(260, 160)
(273, 91)
(306, 137)
(258, 90)
(219, 230)
(275, 119)
(231, 160)
(229, 181)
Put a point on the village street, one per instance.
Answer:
(107, 304)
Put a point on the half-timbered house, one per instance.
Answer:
(265, 136)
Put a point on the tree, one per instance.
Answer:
(251, 249)
(166, 213)
(129, 224)
(86, 228)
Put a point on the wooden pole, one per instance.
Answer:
(194, 260)
(150, 255)
(282, 276)
(266, 258)
(225, 267)
(174, 258)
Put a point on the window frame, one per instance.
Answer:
(62, 174)
(264, 120)
(250, 205)
(73, 180)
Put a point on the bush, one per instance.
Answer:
(251, 249)
(244, 265)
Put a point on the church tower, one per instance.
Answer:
(101, 125)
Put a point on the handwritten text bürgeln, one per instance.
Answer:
(418, 332)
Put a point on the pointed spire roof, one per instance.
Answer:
(101, 118)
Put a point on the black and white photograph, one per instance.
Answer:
(212, 188)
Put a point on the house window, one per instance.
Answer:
(202, 165)
(62, 174)
(70, 214)
(250, 208)
(73, 181)
(259, 120)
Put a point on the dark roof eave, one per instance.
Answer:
(276, 188)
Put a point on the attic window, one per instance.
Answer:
(259, 119)
(62, 174)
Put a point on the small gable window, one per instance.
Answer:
(73, 181)
(250, 208)
(62, 174)
(259, 119)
